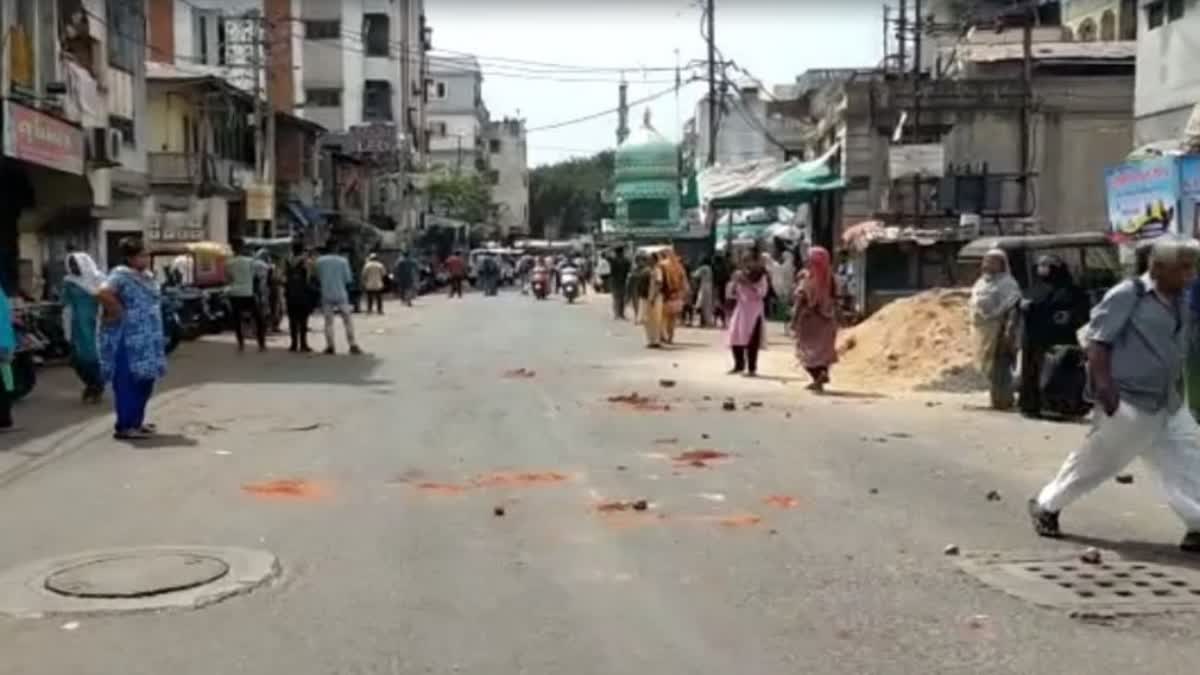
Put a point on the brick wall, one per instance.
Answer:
(161, 23)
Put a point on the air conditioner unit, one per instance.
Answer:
(103, 146)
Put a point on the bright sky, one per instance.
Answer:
(775, 40)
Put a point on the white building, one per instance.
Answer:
(509, 174)
(1168, 82)
(458, 117)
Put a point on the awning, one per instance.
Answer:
(303, 215)
(768, 182)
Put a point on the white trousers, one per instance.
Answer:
(1166, 441)
(330, 309)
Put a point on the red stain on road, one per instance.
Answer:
(287, 489)
(700, 458)
(782, 502)
(739, 520)
(520, 479)
(442, 488)
(636, 401)
(614, 506)
(520, 374)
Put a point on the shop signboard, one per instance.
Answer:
(1144, 197)
(260, 201)
(1189, 195)
(35, 137)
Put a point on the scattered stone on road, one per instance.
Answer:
(520, 374)
(1091, 556)
(1124, 478)
(993, 496)
(729, 405)
(622, 467)
(952, 549)
(640, 505)
(666, 384)
(874, 491)
(498, 511)
(640, 403)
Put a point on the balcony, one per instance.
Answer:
(174, 168)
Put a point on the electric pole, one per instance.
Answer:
(916, 75)
(901, 35)
(1026, 101)
(622, 110)
(713, 123)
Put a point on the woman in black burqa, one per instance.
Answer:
(1055, 308)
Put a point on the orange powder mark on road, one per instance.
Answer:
(519, 479)
(287, 489)
(614, 506)
(520, 374)
(782, 502)
(442, 488)
(739, 520)
(636, 401)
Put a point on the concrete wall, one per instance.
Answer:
(510, 163)
(1168, 81)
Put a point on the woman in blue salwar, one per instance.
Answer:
(81, 307)
(132, 346)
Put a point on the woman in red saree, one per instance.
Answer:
(814, 318)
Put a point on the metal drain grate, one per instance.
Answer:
(1115, 585)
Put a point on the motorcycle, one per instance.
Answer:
(570, 286)
(25, 360)
(540, 285)
(172, 325)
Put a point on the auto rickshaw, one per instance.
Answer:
(194, 280)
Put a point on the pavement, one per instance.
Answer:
(461, 500)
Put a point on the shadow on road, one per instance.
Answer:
(55, 402)
(1139, 550)
(161, 441)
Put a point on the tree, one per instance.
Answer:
(464, 197)
(569, 194)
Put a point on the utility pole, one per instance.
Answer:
(916, 75)
(268, 177)
(901, 35)
(1026, 101)
(622, 110)
(713, 123)
(887, 27)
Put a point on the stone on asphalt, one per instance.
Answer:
(666, 384)
(874, 491)
(498, 511)
(1091, 556)
(729, 405)
(993, 496)
(641, 505)
(952, 549)
(1124, 478)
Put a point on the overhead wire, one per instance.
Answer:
(602, 113)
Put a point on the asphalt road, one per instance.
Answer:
(816, 547)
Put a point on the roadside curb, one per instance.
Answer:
(68, 441)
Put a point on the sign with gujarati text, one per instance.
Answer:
(35, 137)
(1143, 197)
(260, 201)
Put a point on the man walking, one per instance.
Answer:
(1137, 341)
(456, 269)
(405, 278)
(335, 277)
(618, 275)
(244, 276)
(373, 275)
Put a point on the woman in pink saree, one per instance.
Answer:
(814, 318)
(746, 333)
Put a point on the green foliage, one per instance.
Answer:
(464, 197)
(570, 194)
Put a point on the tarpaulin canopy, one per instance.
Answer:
(767, 182)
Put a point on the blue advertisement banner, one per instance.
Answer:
(1189, 182)
(1143, 197)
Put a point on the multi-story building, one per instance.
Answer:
(72, 167)
(1103, 20)
(509, 174)
(751, 125)
(458, 118)
(1168, 83)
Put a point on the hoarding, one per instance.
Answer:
(35, 137)
(1143, 197)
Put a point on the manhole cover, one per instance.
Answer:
(1115, 585)
(137, 576)
(149, 578)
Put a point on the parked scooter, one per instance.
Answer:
(25, 360)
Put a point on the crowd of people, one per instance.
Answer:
(737, 292)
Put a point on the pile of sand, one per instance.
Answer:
(921, 342)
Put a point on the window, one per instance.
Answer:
(439, 129)
(126, 34)
(210, 37)
(323, 98)
(377, 101)
(1174, 10)
(323, 30)
(494, 146)
(375, 35)
(439, 90)
(1155, 15)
